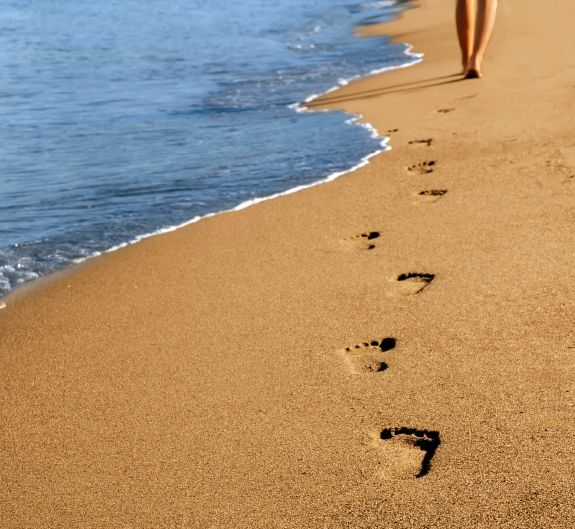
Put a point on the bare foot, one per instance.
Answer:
(472, 73)
(473, 68)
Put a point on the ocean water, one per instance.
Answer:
(119, 118)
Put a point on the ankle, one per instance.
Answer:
(474, 63)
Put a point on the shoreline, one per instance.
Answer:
(392, 350)
(301, 106)
(298, 107)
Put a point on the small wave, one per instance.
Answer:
(302, 47)
(378, 5)
(170, 129)
(416, 58)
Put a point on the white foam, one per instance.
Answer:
(417, 58)
(379, 5)
(298, 107)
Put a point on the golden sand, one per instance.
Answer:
(394, 349)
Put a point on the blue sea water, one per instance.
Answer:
(122, 117)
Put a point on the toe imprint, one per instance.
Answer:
(408, 452)
(423, 167)
(368, 357)
(427, 141)
(364, 240)
(430, 195)
(410, 284)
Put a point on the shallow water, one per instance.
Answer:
(122, 118)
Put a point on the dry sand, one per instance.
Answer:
(209, 378)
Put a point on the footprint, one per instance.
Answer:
(427, 141)
(430, 195)
(364, 240)
(391, 131)
(367, 357)
(408, 452)
(445, 110)
(410, 284)
(422, 168)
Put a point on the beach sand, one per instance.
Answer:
(218, 376)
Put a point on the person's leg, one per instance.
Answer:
(465, 21)
(483, 30)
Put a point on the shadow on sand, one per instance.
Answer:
(392, 89)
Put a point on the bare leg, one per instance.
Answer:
(484, 29)
(465, 21)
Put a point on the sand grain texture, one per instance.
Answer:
(199, 379)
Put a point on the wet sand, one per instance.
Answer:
(393, 349)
